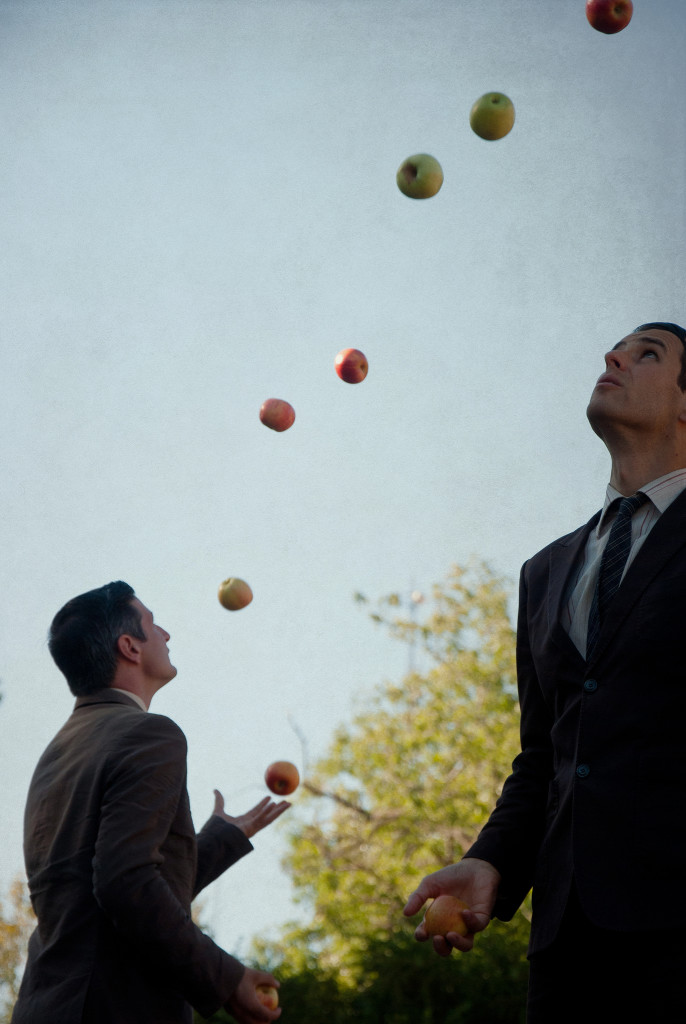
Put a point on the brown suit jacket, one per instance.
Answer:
(598, 792)
(113, 863)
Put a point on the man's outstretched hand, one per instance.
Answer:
(473, 881)
(257, 818)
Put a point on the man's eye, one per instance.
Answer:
(650, 352)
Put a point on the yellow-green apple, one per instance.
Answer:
(444, 915)
(492, 116)
(420, 176)
(609, 16)
(351, 365)
(282, 777)
(268, 996)
(234, 593)
(277, 414)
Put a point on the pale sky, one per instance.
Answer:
(199, 210)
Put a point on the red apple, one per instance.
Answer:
(609, 16)
(351, 365)
(282, 777)
(444, 915)
(268, 996)
(234, 593)
(277, 414)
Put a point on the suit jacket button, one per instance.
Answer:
(582, 770)
(590, 686)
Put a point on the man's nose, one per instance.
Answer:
(615, 359)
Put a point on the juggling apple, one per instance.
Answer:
(268, 996)
(420, 176)
(234, 593)
(492, 116)
(444, 915)
(351, 365)
(277, 414)
(282, 777)
(609, 16)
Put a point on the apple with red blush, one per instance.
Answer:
(609, 16)
(351, 365)
(277, 414)
(282, 778)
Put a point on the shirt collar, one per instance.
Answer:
(661, 492)
(134, 696)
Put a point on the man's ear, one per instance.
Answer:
(129, 648)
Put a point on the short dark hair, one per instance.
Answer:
(83, 635)
(680, 332)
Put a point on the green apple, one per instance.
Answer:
(492, 116)
(420, 176)
(234, 593)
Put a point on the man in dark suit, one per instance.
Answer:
(112, 857)
(592, 816)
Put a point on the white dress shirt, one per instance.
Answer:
(661, 493)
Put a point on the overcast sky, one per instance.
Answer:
(199, 210)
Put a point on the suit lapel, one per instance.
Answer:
(662, 543)
(565, 557)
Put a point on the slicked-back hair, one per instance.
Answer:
(660, 325)
(83, 635)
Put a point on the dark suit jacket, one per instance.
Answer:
(113, 863)
(598, 792)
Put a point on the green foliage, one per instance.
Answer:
(403, 791)
(17, 921)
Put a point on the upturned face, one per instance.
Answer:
(155, 654)
(639, 389)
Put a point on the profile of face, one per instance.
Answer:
(154, 651)
(640, 388)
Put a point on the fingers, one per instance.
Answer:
(414, 904)
(218, 802)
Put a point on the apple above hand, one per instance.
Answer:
(473, 881)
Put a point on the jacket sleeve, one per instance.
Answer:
(143, 788)
(511, 837)
(220, 844)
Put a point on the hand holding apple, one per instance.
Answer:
(268, 996)
(471, 880)
(609, 16)
(277, 414)
(445, 914)
(492, 116)
(351, 365)
(234, 593)
(420, 176)
(282, 778)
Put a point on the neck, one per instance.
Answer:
(632, 470)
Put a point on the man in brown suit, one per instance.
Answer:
(592, 816)
(112, 858)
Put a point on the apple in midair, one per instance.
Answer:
(277, 414)
(420, 176)
(492, 116)
(444, 915)
(351, 365)
(609, 16)
(234, 593)
(282, 777)
(268, 996)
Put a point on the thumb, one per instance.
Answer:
(218, 803)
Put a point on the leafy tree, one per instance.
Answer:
(17, 921)
(403, 791)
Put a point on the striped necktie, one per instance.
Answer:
(612, 565)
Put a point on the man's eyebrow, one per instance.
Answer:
(652, 341)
